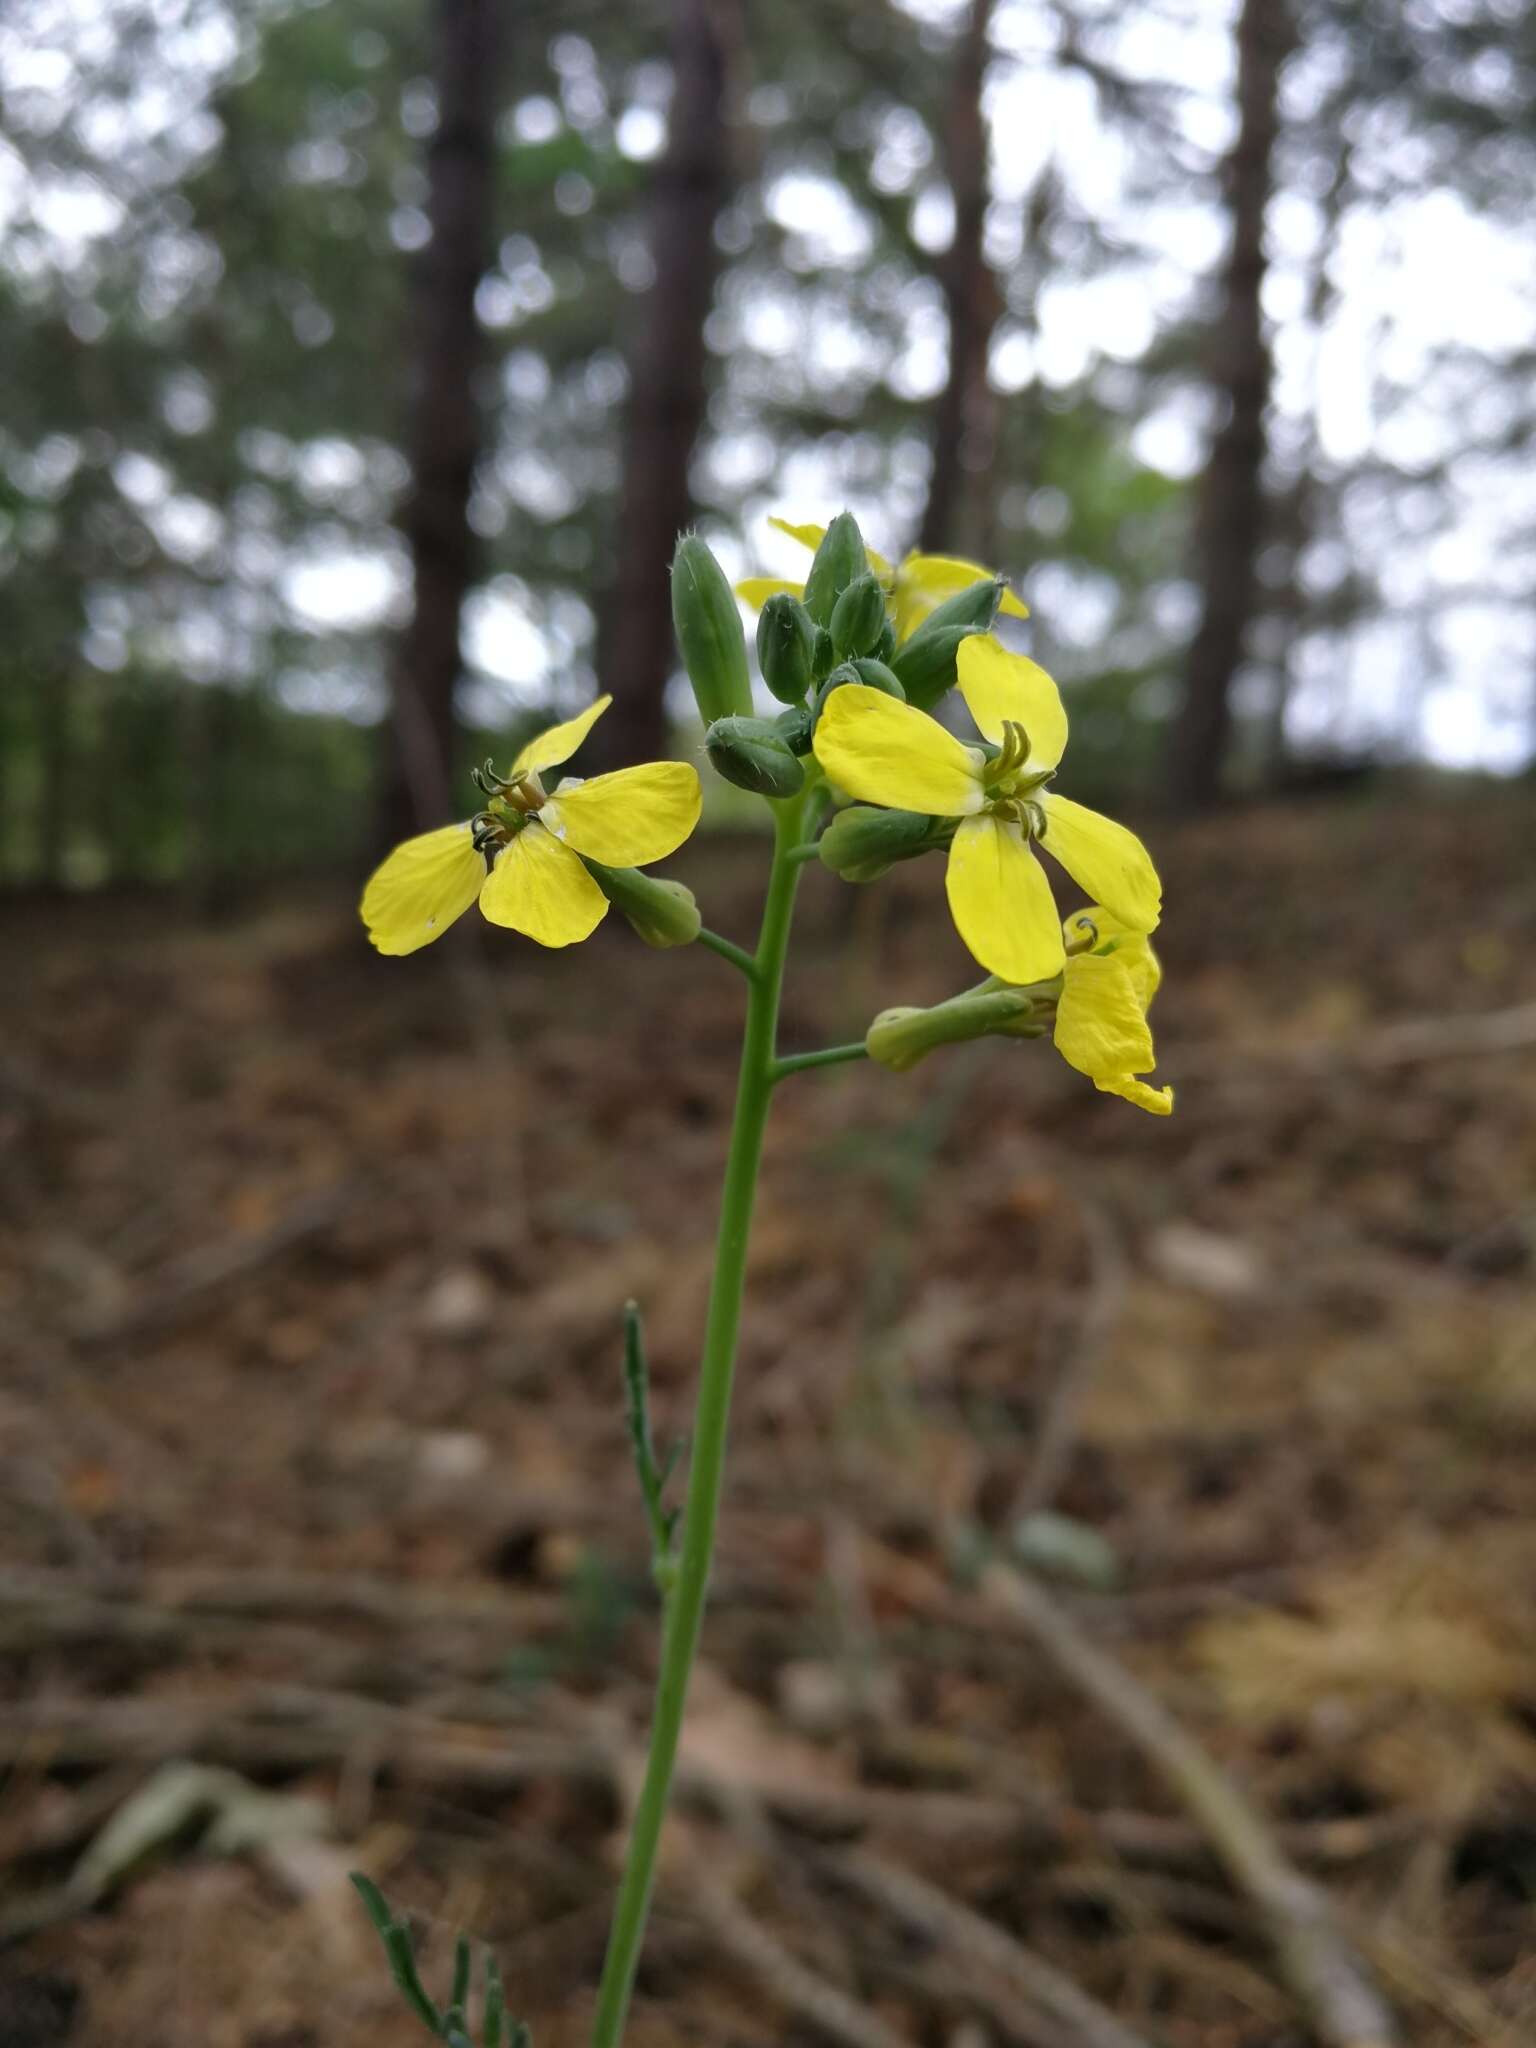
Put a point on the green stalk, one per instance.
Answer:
(706, 1471)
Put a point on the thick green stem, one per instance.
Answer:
(685, 1609)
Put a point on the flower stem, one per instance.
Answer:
(828, 1056)
(685, 1610)
(735, 954)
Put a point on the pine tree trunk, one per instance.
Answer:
(446, 425)
(1229, 519)
(666, 402)
(964, 419)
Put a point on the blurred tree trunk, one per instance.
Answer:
(666, 396)
(1229, 517)
(964, 420)
(446, 425)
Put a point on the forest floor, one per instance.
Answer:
(316, 1473)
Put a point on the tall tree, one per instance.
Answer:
(667, 380)
(447, 424)
(1229, 518)
(963, 419)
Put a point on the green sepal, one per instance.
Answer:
(786, 647)
(660, 912)
(753, 753)
(840, 560)
(709, 632)
(925, 662)
(862, 842)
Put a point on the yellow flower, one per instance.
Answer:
(520, 857)
(914, 587)
(1107, 987)
(886, 752)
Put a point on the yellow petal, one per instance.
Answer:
(1158, 1101)
(540, 888)
(1101, 1027)
(925, 581)
(628, 818)
(548, 749)
(1111, 934)
(998, 686)
(808, 536)
(812, 537)
(886, 752)
(1001, 901)
(1104, 859)
(756, 590)
(421, 888)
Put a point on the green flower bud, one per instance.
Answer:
(858, 617)
(709, 634)
(861, 842)
(786, 647)
(867, 670)
(824, 655)
(925, 662)
(878, 676)
(840, 560)
(796, 728)
(753, 753)
(900, 1038)
(662, 913)
(885, 646)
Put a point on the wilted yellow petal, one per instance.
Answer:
(548, 749)
(421, 888)
(756, 590)
(999, 686)
(628, 818)
(540, 888)
(1157, 1101)
(925, 581)
(1101, 1027)
(1001, 901)
(887, 752)
(1104, 859)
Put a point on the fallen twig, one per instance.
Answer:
(1053, 2008)
(810, 1997)
(1324, 1973)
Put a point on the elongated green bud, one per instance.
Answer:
(885, 646)
(709, 635)
(840, 560)
(753, 753)
(786, 647)
(861, 842)
(900, 1038)
(857, 618)
(926, 662)
(662, 913)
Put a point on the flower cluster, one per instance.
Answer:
(862, 655)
